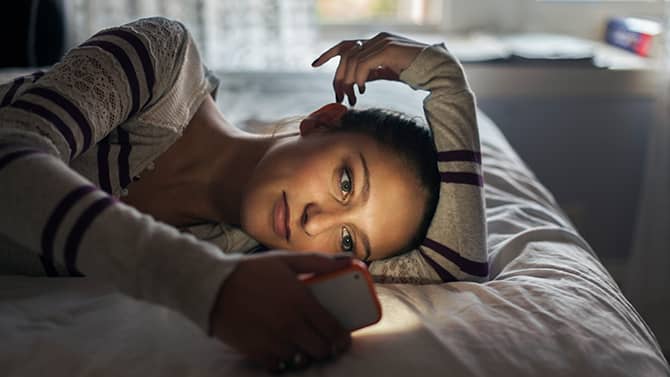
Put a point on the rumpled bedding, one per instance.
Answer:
(550, 308)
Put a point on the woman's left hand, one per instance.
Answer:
(266, 312)
(383, 57)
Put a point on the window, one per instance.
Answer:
(393, 12)
(288, 34)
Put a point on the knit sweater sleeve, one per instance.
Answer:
(455, 246)
(73, 226)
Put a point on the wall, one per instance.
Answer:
(584, 132)
(584, 18)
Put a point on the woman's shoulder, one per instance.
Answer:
(157, 41)
(159, 29)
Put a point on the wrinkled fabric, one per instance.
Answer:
(551, 309)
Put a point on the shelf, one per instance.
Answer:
(530, 49)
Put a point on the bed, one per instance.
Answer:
(550, 308)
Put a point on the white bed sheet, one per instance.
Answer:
(550, 310)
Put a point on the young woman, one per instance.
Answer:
(117, 164)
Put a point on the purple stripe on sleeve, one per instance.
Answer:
(70, 108)
(460, 155)
(9, 157)
(78, 231)
(142, 53)
(36, 75)
(53, 223)
(9, 96)
(466, 265)
(127, 66)
(445, 276)
(49, 267)
(103, 165)
(124, 157)
(464, 178)
(52, 118)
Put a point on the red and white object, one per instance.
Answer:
(633, 34)
(349, 295)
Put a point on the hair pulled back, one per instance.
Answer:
(412, 141)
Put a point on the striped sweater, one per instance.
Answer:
(73, 138)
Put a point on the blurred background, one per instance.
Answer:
(580, 88)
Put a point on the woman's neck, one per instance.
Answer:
(221, 162)
(202, 176)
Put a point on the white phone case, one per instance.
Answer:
(350, 297)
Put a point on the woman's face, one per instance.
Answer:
(332, 192)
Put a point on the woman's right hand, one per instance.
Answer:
(382, 57)
(266, 313)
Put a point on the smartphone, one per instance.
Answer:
(348, 294)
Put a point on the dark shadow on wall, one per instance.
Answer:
(32, 32)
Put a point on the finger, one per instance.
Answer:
(366, 61)
(316, 263)
(350, 78)
(336, 337)
(349, 90)
(264, 352)
(274, 364)
(340, 73)
(254, 350)
(346, 64)
(377, 40)
(310, 312)
(265, 360)
(332, 52)
(280, 357)
(299, 342)
(315, 347)
(300, 359)
(327, 55)
(370, 47)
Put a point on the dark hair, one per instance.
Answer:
(411, 139)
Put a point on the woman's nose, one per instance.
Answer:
(317, 219)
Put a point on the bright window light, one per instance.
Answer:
(409, 12)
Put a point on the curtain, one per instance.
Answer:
(232, 35)
(649, 266)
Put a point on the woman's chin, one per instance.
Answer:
(269, 240)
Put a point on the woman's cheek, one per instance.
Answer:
(313, 177)
(321, 244)
(255, 211)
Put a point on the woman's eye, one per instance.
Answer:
(345, 182)
(347, 241)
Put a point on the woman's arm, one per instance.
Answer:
(76, 228)
(455, 248)
(112, 77)
(457, 236)
(73, 226)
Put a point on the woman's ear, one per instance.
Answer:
(326, 117)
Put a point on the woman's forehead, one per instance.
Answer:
(361, 142)
(396, 207)
(396, 202)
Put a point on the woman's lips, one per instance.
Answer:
(281, 216)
